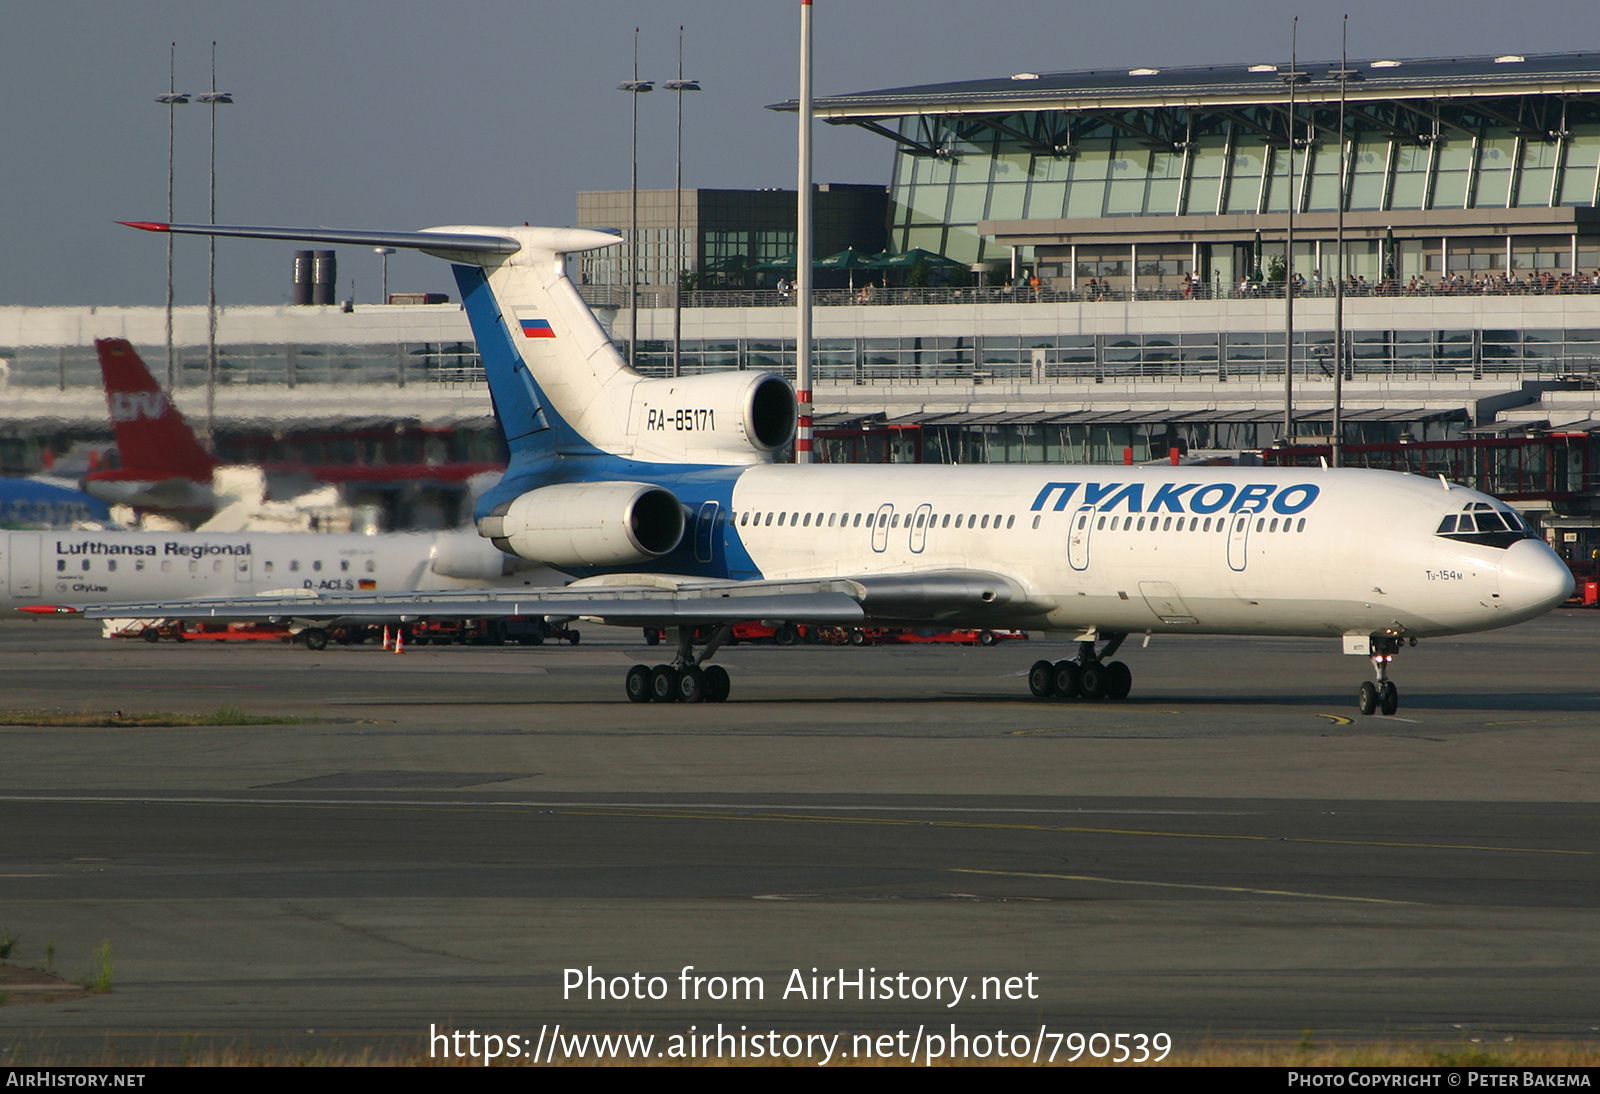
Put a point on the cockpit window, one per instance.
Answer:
(1484, 525)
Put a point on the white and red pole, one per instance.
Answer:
(802, 251)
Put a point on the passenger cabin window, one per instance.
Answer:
(267, 567)
(372, 566)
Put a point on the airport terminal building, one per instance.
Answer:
(1103, 272)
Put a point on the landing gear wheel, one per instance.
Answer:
(637, 684)
(151, 634)
(717, 684)
(1042, 679)
(1068, 679)
(572, 638)
(1388, 697)
(691, 685)
(1119, 681)
(1092, 681)
(1367, 698)
(315, 638)
(664, 684)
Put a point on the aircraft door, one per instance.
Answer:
(23, 563)
(1078, 537)
(1239, 540)
(919, 532)
(705, 528)
(880, 529)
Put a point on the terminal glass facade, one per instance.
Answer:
(953, 171)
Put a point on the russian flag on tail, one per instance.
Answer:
(537, 328)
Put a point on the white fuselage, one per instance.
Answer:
(108, 567)
(1154, 547)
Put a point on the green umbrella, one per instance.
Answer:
(782, 262)
(905, 260)
(1255, 267)
(1388, 255)
(848, 259)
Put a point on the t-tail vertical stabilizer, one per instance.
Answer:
(559, 384)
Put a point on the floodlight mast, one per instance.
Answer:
(635, 87)
(680, 85)
(802, 251)
(171, 100)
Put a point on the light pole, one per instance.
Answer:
(384, 253)
(1293, 77)
(635, 87)
(680, 85)
(213, 99)
(170, 100)
(1344, 75)
(802, 252)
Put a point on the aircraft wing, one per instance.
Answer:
(947, 597)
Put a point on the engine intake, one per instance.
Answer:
(588, 524)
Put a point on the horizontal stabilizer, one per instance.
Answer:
(425, 241)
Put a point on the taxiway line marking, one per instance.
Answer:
(756, 813)
(1182, 885)
(802, 818)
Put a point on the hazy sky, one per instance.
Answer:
(403, 114)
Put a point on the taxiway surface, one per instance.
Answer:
(1232, 852)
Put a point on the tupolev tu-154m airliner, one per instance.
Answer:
(661, 498)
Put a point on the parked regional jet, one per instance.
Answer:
(45, 571)
(164, 468)
(162, 464)
(661, 497)
(38, 503)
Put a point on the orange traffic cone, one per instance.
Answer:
(399, 640)
(386, 637)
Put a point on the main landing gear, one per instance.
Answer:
(1381, 695)
(1088, 676)
(688, 679)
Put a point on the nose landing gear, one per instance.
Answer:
(688, 679)
(1088, 676)
(1382, 694)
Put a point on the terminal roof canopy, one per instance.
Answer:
(1218, 85)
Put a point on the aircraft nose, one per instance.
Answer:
(1532, 579)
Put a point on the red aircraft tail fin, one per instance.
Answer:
(153, 438)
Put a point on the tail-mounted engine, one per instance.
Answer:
(588, 524)
(714, 418)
